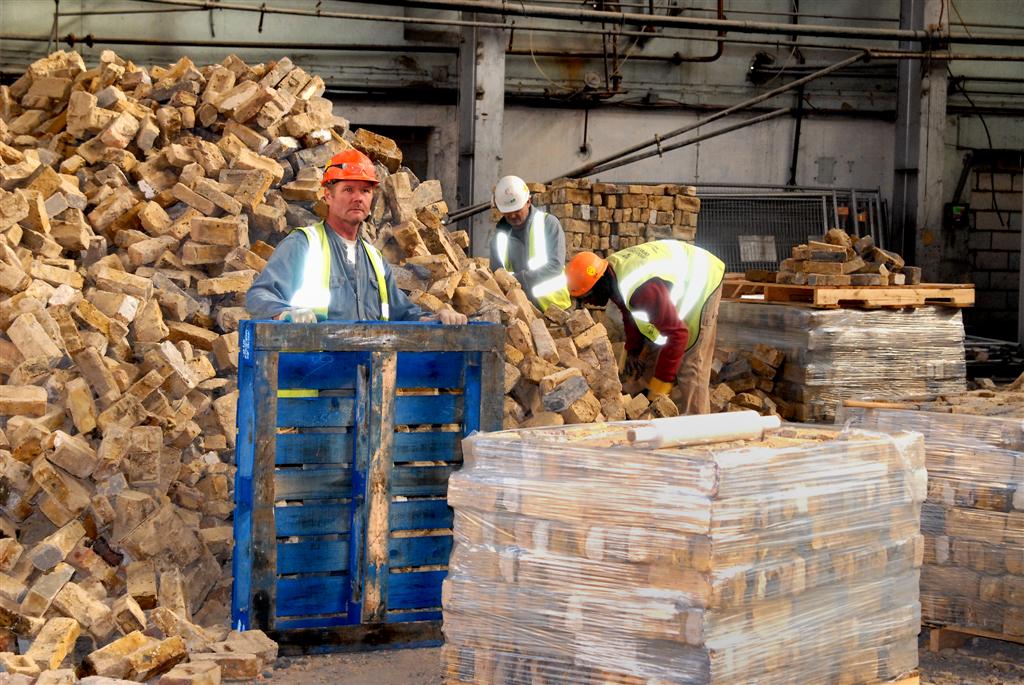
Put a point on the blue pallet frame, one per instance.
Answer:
(342, 527)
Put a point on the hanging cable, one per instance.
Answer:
(992, 165)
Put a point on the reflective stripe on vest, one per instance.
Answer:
(693, 276)
(553, 291)
(315, 291)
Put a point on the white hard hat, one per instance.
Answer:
(511, 194)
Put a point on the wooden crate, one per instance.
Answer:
(347, 434)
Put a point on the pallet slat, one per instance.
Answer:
(312, 556)
(824, 296)
(943, 637)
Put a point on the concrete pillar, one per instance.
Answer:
(481, 115)
(1020, 297)
(919, 160)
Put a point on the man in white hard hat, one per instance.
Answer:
(529, 244)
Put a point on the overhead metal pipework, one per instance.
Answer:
(612, 18)
(662, 149)
(612, 30)
(508, 9)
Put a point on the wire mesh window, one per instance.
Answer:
(757, 232)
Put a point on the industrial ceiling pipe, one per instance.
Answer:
(746, 104)
(662, 149)
(580, 30)
(507, 9)
(89, 40)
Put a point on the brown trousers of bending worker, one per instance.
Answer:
(692, 393)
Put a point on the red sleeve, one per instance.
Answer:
(653, 297)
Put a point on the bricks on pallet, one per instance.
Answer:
(922, 349)
(973, 519)
(841, 259)
(570, 542)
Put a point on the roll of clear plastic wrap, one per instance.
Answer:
(973, 519)
(837, 354)
(581, 558)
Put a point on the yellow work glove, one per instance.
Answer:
(656, 386)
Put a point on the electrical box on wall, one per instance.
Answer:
(956, 215)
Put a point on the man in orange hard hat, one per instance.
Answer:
(668, 292)
(327, 270)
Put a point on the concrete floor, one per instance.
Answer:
(980, 662)
(391, 667)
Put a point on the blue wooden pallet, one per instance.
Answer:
(342, 525)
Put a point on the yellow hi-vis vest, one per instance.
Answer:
(553, 291)
(693, 276)
(315, 291)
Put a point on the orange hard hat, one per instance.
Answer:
(350, 165)
(583, 271)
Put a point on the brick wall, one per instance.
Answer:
(606, 217)
(993, 247)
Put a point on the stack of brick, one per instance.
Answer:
(743, 380)
(584, 557)
(195, 658)
(837, 354)
(137, 205)
(605, 217)
(973, 520)
(845, 260)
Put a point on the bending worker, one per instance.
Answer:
(328, 270)
(530, 245)
(668, 292)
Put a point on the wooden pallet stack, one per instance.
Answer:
(605, 217)
(842, 259)
(837, 354)
(582, 556)
(973, 521)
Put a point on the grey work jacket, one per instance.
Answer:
(519, 250)
(354, 292)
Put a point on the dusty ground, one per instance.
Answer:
(392, 667)
(980, 662)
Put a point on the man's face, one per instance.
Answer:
(349, 201)
(518, 217)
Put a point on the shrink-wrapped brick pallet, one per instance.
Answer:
(973, 519)
(585, 555)
(837, 354)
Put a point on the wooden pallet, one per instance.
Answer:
(868, 297)
(955, 636)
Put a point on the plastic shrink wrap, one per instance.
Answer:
(973, 519)
(582, 558)
(837, 354)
